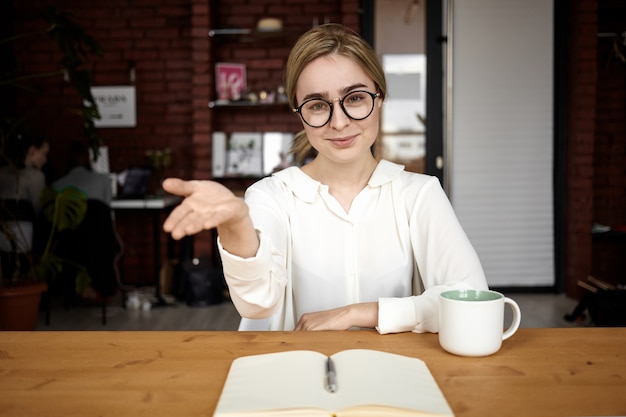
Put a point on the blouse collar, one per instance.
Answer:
(306, 188)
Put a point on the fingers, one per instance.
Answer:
(205, 206)
(315, 321)
(300, 326)
(174, 223)
(185, 221)
(182, 221)
(342, 318)
(177, 186)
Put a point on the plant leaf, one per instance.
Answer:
(68, 210)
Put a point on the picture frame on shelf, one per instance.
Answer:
(218, 144)
(244, 156)
(250, 154)
(117, 105)
(276, 156)
(230, 81)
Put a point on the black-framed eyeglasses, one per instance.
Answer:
(357, 105)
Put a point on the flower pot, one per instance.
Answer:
(19, 306)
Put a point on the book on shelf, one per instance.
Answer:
(244, 156)
(230, 81)
(361, 382)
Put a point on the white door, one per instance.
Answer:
(499, 144)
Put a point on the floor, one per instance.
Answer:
(538, 310)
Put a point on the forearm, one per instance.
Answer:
(363, 315)
(239, 238)
(419, 313)
(256, 284)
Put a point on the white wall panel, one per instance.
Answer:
(501, 135)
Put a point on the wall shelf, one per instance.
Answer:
(245, 104)
(253, 35)
(228, 32)
(242, 31)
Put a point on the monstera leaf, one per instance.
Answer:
(64, 210)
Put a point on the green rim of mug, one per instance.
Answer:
(471, 295)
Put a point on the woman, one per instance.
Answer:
(21, 178)
(344, 241)
(21, 184)
(95, 185)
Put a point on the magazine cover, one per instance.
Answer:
(245, 154)
(230, 81)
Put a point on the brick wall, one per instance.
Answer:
(581, 135)
(596, 148)
(265, 58)
(174, 78)
(157, 36)
(168, 41)
(609, 179)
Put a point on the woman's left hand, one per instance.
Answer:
(342, 318)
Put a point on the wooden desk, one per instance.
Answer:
(148, 203)
(538, 372)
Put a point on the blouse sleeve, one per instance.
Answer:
(257, 284)
(445, 260)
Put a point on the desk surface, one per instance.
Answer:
(547, 372)
(150, 202)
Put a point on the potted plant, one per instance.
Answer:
(21, 293)
(75, 48)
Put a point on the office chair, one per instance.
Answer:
(93, 245)
(17, 219)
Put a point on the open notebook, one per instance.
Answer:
(294, 383)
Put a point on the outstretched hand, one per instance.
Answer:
(206, 205)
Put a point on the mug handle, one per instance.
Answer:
(517, 318)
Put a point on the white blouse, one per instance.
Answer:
(400, 244)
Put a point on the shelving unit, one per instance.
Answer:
(247, 104)
(245, 46)
(264, 54)
(254, 35)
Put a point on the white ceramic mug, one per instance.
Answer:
(471, 322)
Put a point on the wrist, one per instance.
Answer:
(363, 315)
(239, 237)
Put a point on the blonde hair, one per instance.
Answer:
(323, 40)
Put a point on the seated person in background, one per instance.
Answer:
(345, 240)
(93, 244)
(21, 184)
(21, 177)
(79, 174)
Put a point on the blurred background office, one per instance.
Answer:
(518, 109)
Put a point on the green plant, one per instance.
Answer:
(63, 210)
(76, 48)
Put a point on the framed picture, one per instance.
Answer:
(230, 81)
(117, 106)
(218, 143)
(244, 156)
(276, 154)
(405, 109)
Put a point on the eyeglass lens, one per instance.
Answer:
(357, 105)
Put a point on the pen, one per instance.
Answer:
(331, 376)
